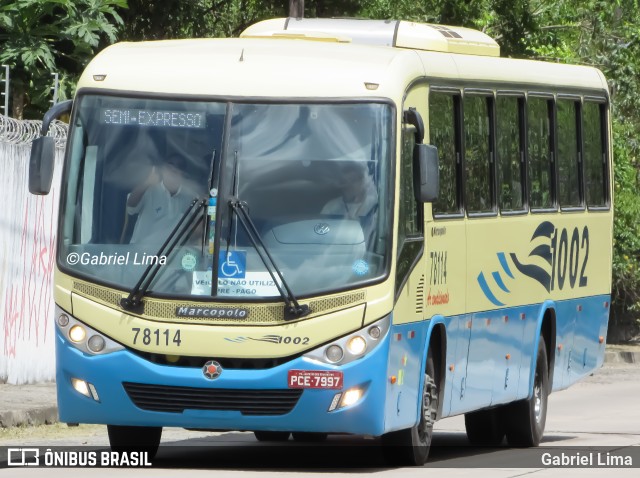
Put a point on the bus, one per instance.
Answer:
(329, 226)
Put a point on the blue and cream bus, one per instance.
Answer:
(329, 226)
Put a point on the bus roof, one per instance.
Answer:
(316, 67)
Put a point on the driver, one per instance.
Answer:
(358, 197)
(159, 201)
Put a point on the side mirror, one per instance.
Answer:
(426, 173)
(43, 152)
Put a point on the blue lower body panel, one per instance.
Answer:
(108, 372)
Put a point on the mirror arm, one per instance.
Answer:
(55, 112)
(412, 117)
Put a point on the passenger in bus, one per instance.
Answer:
(159, 201)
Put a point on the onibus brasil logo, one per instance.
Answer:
(558, 260)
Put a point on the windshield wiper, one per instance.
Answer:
(292, 309)
(133, 303)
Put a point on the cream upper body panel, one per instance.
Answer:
(509, 71)
(254, 68)
(298, 68)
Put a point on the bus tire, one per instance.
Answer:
(128, 439)
(411, 445)
(309, 437)
(271, 436)
(485, 427)
(526, 418)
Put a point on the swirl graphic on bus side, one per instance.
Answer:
(558, 259)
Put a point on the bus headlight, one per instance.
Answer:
(96, 343)
(78, 332)
(357, 345)
(334, 353)
(353, 346)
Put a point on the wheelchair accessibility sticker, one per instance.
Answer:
(232, 265)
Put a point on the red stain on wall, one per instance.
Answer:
(28, 297)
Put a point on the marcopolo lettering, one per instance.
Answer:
(213, 312)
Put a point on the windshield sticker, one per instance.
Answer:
(360, 267)
(201, 283)
(189, 262)
(254, 284)
(259, 284)
(233, 265)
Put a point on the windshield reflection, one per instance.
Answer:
(315, 179)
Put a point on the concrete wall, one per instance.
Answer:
(27, 257)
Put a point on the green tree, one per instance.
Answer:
(40, 37)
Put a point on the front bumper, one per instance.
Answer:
(108, 372)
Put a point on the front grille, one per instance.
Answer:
(163, 398)
(225, 362)
(259, 314)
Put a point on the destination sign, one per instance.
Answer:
(158, 118)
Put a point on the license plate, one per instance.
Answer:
(315, 379)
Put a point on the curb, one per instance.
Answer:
(621, 356)
(33, 417)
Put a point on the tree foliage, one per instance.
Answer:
(40, 36)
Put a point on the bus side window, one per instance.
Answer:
(595, 153)
(539, 153)
(510, 149)
(569, 168)
(442, 134)
(478, 154)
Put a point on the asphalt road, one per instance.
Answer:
(602, 411)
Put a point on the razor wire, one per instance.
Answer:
(14, 131)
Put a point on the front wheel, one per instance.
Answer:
(411, 445)
(138, 439)
(525, 419)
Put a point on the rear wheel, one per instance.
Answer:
(526, 418)
(485, 427)
(309, 437)
(128, 439)
(411, 445)
(271, 436)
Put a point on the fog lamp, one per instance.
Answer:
(63, 320)
(350, 397)
(81, 386)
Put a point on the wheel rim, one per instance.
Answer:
(428, 415)
(537, 398)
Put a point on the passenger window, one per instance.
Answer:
(595, 164)
(478, 153)
(442, 132)
(569, 169)
(510, 153)
(539, 153)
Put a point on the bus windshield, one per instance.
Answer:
(314, 179)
